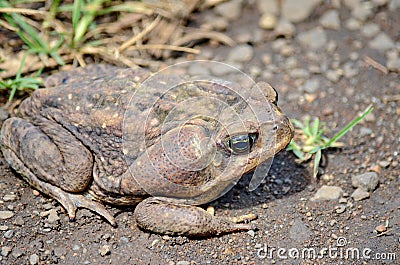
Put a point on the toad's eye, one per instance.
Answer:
(241, 143)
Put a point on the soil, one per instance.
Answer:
(287, 218)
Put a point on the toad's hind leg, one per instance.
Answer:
(52, 160)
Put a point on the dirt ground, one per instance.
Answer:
(350, 73)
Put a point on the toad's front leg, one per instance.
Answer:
(164, 216)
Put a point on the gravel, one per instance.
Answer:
(327, 193)
(360, 194)
(370, 30)
(241, 53)
(297, 11)
(330, 20)
(230, 10)
(285, 28)
(6, 214)
(313, 39)
(367, 181)
(381, 42)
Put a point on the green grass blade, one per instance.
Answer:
(314, 127)
(350, 125)
(317, 160)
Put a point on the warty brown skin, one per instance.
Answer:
(84, 141)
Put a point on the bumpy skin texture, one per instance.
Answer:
(84, 141)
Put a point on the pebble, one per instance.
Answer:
(285, 28)
(330, 20)
(334, 75)
(222, 69)
(183, 262)
(342, 200)
(267, 21)
(393, 64)
(53, 216)
(382, 42)
(365, 131)
(268, 6)
(5, 251)
(297, 11)
(350, 70)
(351, 4)
(340, 209)
(367, 181)
(251, 233)
(360, 194)
(299, 73)
(9, 197)
(313, 39)
(312, 85)
(6, 214)
(381, 228)
(352, 24)
(241, 53)
(16, 253)
(370, 29)
(326, 193)
(198, 69)
(8, 234)
(34, 259)
(104, 250)
(362, 11)
(230, 10)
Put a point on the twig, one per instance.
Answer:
(368, 60)
(164, 47)
(134, 39)
(205, 35)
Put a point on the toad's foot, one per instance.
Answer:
(70, 201)
(165, 217)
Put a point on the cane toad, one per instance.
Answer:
(103, 134)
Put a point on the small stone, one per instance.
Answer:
(266, 59)
(366, 181)
(5, 251)
(267, 21)
(381, 42)
(381, 228)
(370, 29)
(268, 6)
(285, 28)
(183, 262)
(340, 209)
(251, 233)
(241, 53)
(299, 73)
(362, 11)
(326, 193)
(351, 4)
(360, 194)
(16, 253)
(230, 10)
(313, 39)
(6, 214)
(297, 11)
(4, 115)
(198, 69)
(223, 69)
(350, 70)
(9, 233)
(393, 64)
(35, 192)
(53, 216)
(334, 75)
(104, 250)
(299, 231)
(34, 259)
(330, 20)
(343, 201)
(3, 227)
(352, 24)
(9, 197)
(312, 85)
